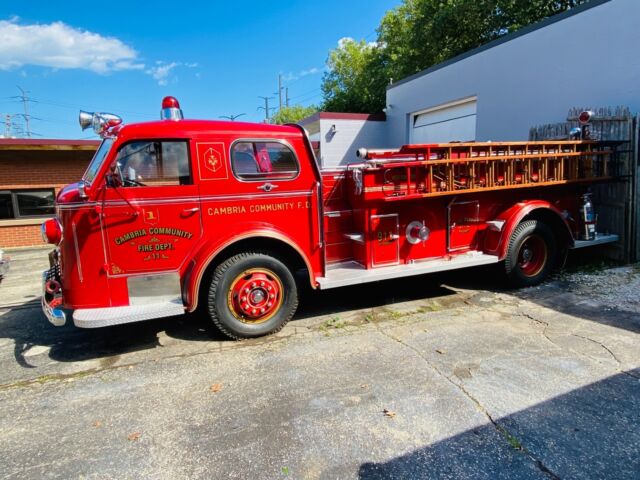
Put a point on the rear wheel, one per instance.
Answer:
(532, 254)
(252, 294)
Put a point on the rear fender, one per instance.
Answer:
(209, 253)
(501, 228)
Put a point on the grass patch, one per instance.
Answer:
(332, 323)
(429, 308)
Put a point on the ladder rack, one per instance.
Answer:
(417, 171)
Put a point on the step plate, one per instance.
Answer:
(599, 240)
(104, 317)
(353, 273)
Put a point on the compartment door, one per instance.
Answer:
(463, 227)
(385, 240)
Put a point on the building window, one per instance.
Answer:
(153, 164)
(263, 161)
(26, 203)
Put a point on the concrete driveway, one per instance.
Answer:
(433, 377)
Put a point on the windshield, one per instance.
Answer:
(98, 158)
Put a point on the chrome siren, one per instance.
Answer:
(100, 122)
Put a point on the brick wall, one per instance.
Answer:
(36, 169)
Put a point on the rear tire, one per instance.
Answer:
(532, 254)
(251, 294)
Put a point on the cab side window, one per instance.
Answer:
(259, 161)
(153, 163)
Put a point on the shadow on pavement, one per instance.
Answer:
(28, 327)
(556, 293)
(590, 432)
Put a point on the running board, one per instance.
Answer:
(353, 273)
(104, 317)
(599, 240)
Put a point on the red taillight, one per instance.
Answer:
(585, 117)
(51, 231)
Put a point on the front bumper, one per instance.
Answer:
(51, 302)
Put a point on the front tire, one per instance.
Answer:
(251, 294)
(531, 255)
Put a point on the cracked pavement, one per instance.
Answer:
(433, 377)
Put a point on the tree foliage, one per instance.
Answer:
(354, 81)
(417, 35)
(293, 114)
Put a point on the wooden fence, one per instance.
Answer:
(616, 202)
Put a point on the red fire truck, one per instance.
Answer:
(225, 218)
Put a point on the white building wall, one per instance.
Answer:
(338, 148)
(587, 59)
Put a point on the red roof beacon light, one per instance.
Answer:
(585, 117)
(171, 109)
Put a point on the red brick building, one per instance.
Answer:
(31, 174)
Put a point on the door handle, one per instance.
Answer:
(267, 187)
(188, 211)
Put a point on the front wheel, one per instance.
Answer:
(532, 254)
(251, 294)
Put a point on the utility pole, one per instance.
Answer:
(25, 102)
(286, 96)
(280, 90)
(7, 125)
(232, 117)
(266, 107)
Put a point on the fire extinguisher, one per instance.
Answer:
(588, 218)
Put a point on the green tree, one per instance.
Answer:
(293, 114)
(355, 79)
(417, 35)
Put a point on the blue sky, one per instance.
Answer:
(123, 57)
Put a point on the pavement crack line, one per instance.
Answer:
(608, 350)
(545, 325)
(603, 346)
(511, 440)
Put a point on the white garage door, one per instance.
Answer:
(446, 123)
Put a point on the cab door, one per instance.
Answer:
(150, 212)
(261, 184)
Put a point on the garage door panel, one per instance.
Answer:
(446, 124)
(444, 114)
(461, 129)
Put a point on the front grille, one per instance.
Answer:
(53, 273)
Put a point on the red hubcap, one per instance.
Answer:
(532, 255)
(255, 295)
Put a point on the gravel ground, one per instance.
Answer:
(611, 287)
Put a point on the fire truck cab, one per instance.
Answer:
(226, 218)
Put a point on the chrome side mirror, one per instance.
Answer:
(82, 189)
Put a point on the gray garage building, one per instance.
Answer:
(587, 56)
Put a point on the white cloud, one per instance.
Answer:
(291, 76)
(162, 71)
(344, 40)
(342, 43)
(60, 46)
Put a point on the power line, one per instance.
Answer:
(306, 93)
(85, 107)
(305, 99)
